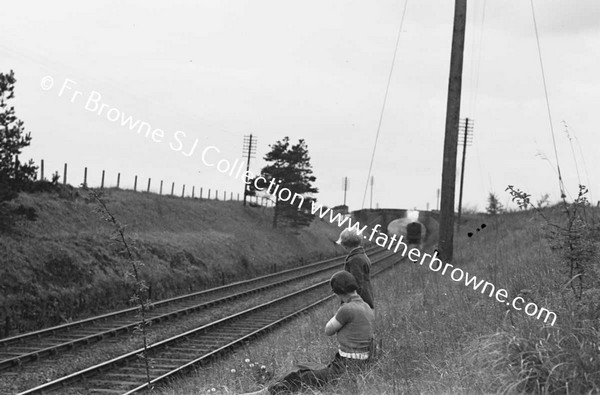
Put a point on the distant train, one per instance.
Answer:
(421, 227)
(409, 227)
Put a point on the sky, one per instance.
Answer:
(199, 74)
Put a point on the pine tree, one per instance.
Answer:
(14, 176)
(290, 169)
(494, 206)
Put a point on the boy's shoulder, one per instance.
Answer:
(355, 306)
(358, 257)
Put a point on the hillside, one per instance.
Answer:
(65, 266)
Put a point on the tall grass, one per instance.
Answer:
(440, 337)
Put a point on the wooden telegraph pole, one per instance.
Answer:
(445, 245)
(372, 182)
(345, 186)
(249, 149)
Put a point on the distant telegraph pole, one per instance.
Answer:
(446, 238)
(372, 182)
(345, 187)
(467, 126)
(248, 150)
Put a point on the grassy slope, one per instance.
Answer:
(64, 265)
(441, 337)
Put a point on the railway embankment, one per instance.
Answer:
(65, 265)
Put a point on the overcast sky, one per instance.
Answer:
(317, 70)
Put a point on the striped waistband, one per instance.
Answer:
(354, 355)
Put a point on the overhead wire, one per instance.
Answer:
(587, 176)
(387, 88)
(537, 38)
(476, 55)
(572, 151)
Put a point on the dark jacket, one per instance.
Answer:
(359, 264)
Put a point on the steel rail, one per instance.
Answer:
(34, 355)
(189, 335)
(20, 337)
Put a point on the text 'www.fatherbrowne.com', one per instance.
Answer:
(392, 243)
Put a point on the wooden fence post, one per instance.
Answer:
(85, 176)
(42, 171)
(102, 182)
(135, 184)
(231, 196)
(65, 175)
(208, 193)
(224, 195)
(161, 184)
(193, 191)
(172, 188)
(118, 180)
(149, 180)
(183, 191)
(200, 193)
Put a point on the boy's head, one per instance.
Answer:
(350, 238)
(343, 283)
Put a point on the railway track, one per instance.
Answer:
(127, 374)
(18, 350)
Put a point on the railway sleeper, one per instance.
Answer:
(61, 340)
(99, 391)
(153, 366)
(170, 353)
(154, 369)
(249, 329)
(107, 326)
(251, 325)
(219, 342)
(205, 344)
(229, 336)
(185, 350)
(111, 384)
(119, 324)
(9, 355)
(177, 360)
(27, 350)
(15, 362)
(234, 330)
(124, 376)
(90, 331)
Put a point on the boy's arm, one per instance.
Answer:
(332, 327)
(355, 267)
(337, 322)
